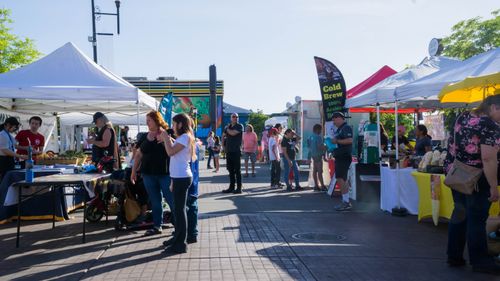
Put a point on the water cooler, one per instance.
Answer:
(370, 144)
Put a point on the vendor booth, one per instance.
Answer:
(64, 81)
(417, 88)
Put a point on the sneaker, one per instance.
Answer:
(281, 184)
(168, 242)
(229, 190)
(299, 188)
(152, 231)
(191, 240)
(237, 191)
(209, 167)
(344, 206)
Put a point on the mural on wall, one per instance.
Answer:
(201, 105)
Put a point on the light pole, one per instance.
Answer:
(93, 38)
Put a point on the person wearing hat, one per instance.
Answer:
(275, 158)
(233, 139)
(8, 145)
(343, 157)
(104, 144)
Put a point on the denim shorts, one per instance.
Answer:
(250, 155)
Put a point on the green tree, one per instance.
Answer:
(14, 51)
(257, 119)
(468, 38)
(389, 122)
(473, 36)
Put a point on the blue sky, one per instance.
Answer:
(263, 49)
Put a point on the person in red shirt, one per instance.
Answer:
(36, 139)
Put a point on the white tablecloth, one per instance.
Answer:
(408, 190)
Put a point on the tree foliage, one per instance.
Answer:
(388, 120)
(14, 51)
(469, 38)
(257, 119)
(473, 36)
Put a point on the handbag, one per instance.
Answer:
(462, 177)
(131, 207)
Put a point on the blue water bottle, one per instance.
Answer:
(29, 166)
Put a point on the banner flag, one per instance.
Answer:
(165, 108)
(332, 85)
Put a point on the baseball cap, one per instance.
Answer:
(338, 114)
(96, 116)
(234, 114)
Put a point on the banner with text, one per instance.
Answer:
(332, 85)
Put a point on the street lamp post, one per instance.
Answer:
(93, 39)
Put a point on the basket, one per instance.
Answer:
(54, 161)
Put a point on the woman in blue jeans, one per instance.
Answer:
(182, 152)
(153, 161)
(476, 139)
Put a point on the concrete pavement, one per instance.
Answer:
(262, 234)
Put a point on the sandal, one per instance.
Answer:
(152, 231)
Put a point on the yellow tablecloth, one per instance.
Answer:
(446, 204)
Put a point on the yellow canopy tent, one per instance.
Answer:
(471, 89)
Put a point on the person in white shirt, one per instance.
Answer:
(181, 151)
(275, 158)
(210, 148)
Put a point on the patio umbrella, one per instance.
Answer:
(471, 89)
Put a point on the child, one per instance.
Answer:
(274, 157)
(317, 149)
(216, 150)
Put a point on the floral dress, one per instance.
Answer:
(471, 131)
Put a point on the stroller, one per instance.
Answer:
(130, 201)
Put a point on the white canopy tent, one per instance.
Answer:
(428, 88)
(383, 92)
(67, 80)
(72, 125)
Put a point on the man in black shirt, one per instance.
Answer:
(343, 157)
(288, 145)
(233, 138)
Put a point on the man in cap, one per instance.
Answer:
(233, 138)
(343, 157)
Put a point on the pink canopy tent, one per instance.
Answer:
(369, 82)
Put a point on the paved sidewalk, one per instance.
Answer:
(262, 234)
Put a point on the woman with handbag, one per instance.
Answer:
(474, 144)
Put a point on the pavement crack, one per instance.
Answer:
(101, 253)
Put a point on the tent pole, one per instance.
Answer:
(378, 135)
(397, 211)
(138, 112)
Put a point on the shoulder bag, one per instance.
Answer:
(462, 177)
